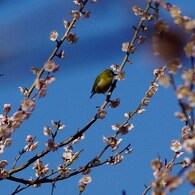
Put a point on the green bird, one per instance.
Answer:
(103, 82)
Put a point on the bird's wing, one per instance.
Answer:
(97, 80)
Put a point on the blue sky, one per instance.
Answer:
(24, 37)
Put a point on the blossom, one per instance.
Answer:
(127, 115)
(183, 91)
(28, 105)
(101, 114)
(76, 14)
(53, 35)
(51, 145)
(161, 26)
(164, 80)
(141, 39)
(68, 148)
(152, 90)
(190, 25)
(186, 162)
(63, 171)
(57, 125)
(5, 131)
(116, 159)
(30, 138)
(86, 179)
(113, 142)
(67, 156)
(128, 150)
(147, 16)
(176, 145)
(23, 90)
(41, 85)
(50, 66)
(125, 128)
(34, 70)
(181, 20)
(66, 24)
(41, 170)
(81, 137)
(125, 46)
(140, 111)
(120, 76)
(36, 185)
(4, 174)
(137, 10)
(3, 164)
(187, 76)
(7, 142)
(2, 149)
(181, 116)
(49, 79)
(72, 38)
(31, 146)
(6, 108)
(77, 2)
(115, 127)
(16, 120)
(145, 101)
(175, 11)
(185, 132)
(179, 154)
(190, 176)
(159, 72)
(115, 103)
(156, 164)
(190, 49)
(174, 65)
(19, 116)
(47, 131)
(189, 144)
(191, 99)
(172, 182)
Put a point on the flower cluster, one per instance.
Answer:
(183, 21)
(47, 131)
(9, 124)
(41, 169)
(140, 12)
(163, 179)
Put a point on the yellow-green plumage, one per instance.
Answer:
(103, 82)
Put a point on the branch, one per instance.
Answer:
(54, 53)
(125, 59)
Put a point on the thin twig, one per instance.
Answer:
(146, 190)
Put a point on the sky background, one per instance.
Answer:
(24, 42)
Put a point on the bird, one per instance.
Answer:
(102, 82)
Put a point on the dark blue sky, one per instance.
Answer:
(24, 42)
